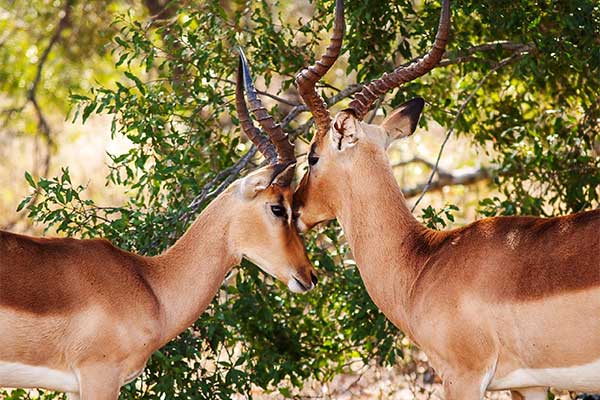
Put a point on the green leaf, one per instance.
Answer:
(87, 110)
(23, 203)
(30, 180)
(138, 82)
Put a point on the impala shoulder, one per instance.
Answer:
(530, 227)
(431, 244)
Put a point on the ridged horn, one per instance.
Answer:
(252, 132)
(366, 97)
(306, 80)
(285, 149)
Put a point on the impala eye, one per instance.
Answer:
(312, 160)
(278, 211)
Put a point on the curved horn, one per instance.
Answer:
(306, 80)
(261, 141)
(279, 138)
(366, 97)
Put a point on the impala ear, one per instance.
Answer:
(403, 121)
(345, 132)
(251, 185)
(259, 180)
(278, 174)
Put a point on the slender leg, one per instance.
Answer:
(464, 388)
(529, 394)
(99, 383)
(73, 396)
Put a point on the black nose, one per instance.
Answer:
(314, 278)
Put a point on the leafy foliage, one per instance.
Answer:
(434, 219)
(537, 117)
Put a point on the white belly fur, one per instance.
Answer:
(16, 375)
(582, 377)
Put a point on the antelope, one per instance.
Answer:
(83, 316)
(502, 303)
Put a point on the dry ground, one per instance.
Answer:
(371, 382)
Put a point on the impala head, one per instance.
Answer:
(263, 229)
(333, 159)
(342, 142)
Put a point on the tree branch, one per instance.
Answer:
(64, 21)
(157, 10)
(62, 24)
(217, 185)
(43, 125)
(162, 14)
(420, 160)
(462, 108)
(274, 97)
(468, 54)
(449, 179)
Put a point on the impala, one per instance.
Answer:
(502, 303)
(83, 317)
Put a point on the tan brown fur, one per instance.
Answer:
(90, 310)
(494, 297)
(534, 253)
(33, 266)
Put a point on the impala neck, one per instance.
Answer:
(188, 275)
(381, 232)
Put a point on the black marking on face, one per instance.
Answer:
(340, 126)
(313, 158)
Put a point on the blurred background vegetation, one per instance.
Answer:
(122, 114)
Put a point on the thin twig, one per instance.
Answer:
(274, 97)
(441, 173)
(462, 108)
(375, 109)
(517, 48)
(469, 54)
(342, 94)
(43, 126)
(463, 178)
(293, 114)
(62, 24)
(211, 189)
(415, 159)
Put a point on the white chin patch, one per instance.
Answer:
(295, 287)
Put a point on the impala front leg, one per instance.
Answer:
(465, 387)
(99, 382)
